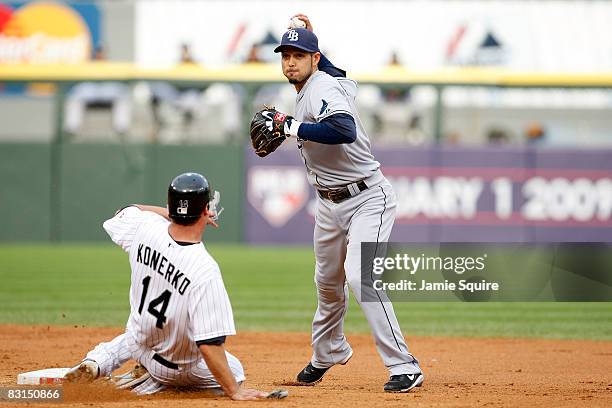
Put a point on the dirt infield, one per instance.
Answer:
(459, 372)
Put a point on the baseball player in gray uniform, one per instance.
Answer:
(180, 311)
(355, 204)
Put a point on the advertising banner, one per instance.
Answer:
(556, 36)
(43, 32)
(451, 194)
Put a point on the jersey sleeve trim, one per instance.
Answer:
(124, 207)
(212, 335)
(215, 341)
(319, 119)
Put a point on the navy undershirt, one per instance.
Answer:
(335, 129)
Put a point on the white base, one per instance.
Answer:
(48, 376)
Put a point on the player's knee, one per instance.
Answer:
(330, 291)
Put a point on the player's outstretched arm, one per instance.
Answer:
(215, 358)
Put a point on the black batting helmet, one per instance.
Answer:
(188, 195)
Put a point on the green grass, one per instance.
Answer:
(271, 289)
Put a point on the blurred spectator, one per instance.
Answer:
(107, 95)
(393, 94)
(166, 98)
(253, 55)
(192, 114)
(416, 136)
(497, 136)
(453, 138)
(397, 123)
(394, 60)
(186, 55)
(535, 134)
(99, 54)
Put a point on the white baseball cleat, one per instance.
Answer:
(85, 372)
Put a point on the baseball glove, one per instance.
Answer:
(268, 130)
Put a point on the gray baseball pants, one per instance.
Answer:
(339, 230)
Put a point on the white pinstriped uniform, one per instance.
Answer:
(340, 228)
(177, 297)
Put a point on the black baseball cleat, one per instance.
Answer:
(312, 375)
(404, 382)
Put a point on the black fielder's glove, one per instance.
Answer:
(269, 129)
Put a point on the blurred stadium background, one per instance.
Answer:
(493, 120)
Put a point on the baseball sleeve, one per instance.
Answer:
(210, 311)
(328, 98)
(123, 226)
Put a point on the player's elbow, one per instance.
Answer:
(210, 349)
(343, 126)
(107, 225)
(336, 129)
(351, 133)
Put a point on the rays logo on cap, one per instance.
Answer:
(299, 38)
(183, 206)
(292, 35)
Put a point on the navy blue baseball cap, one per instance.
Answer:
(299, 38)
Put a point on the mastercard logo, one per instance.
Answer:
(43, 33)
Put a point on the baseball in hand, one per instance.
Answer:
(296, 23)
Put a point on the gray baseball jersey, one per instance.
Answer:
(177, 297)
(331, 166)
(341, 227)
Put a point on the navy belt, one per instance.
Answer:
(341, 194)
(165, 362)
